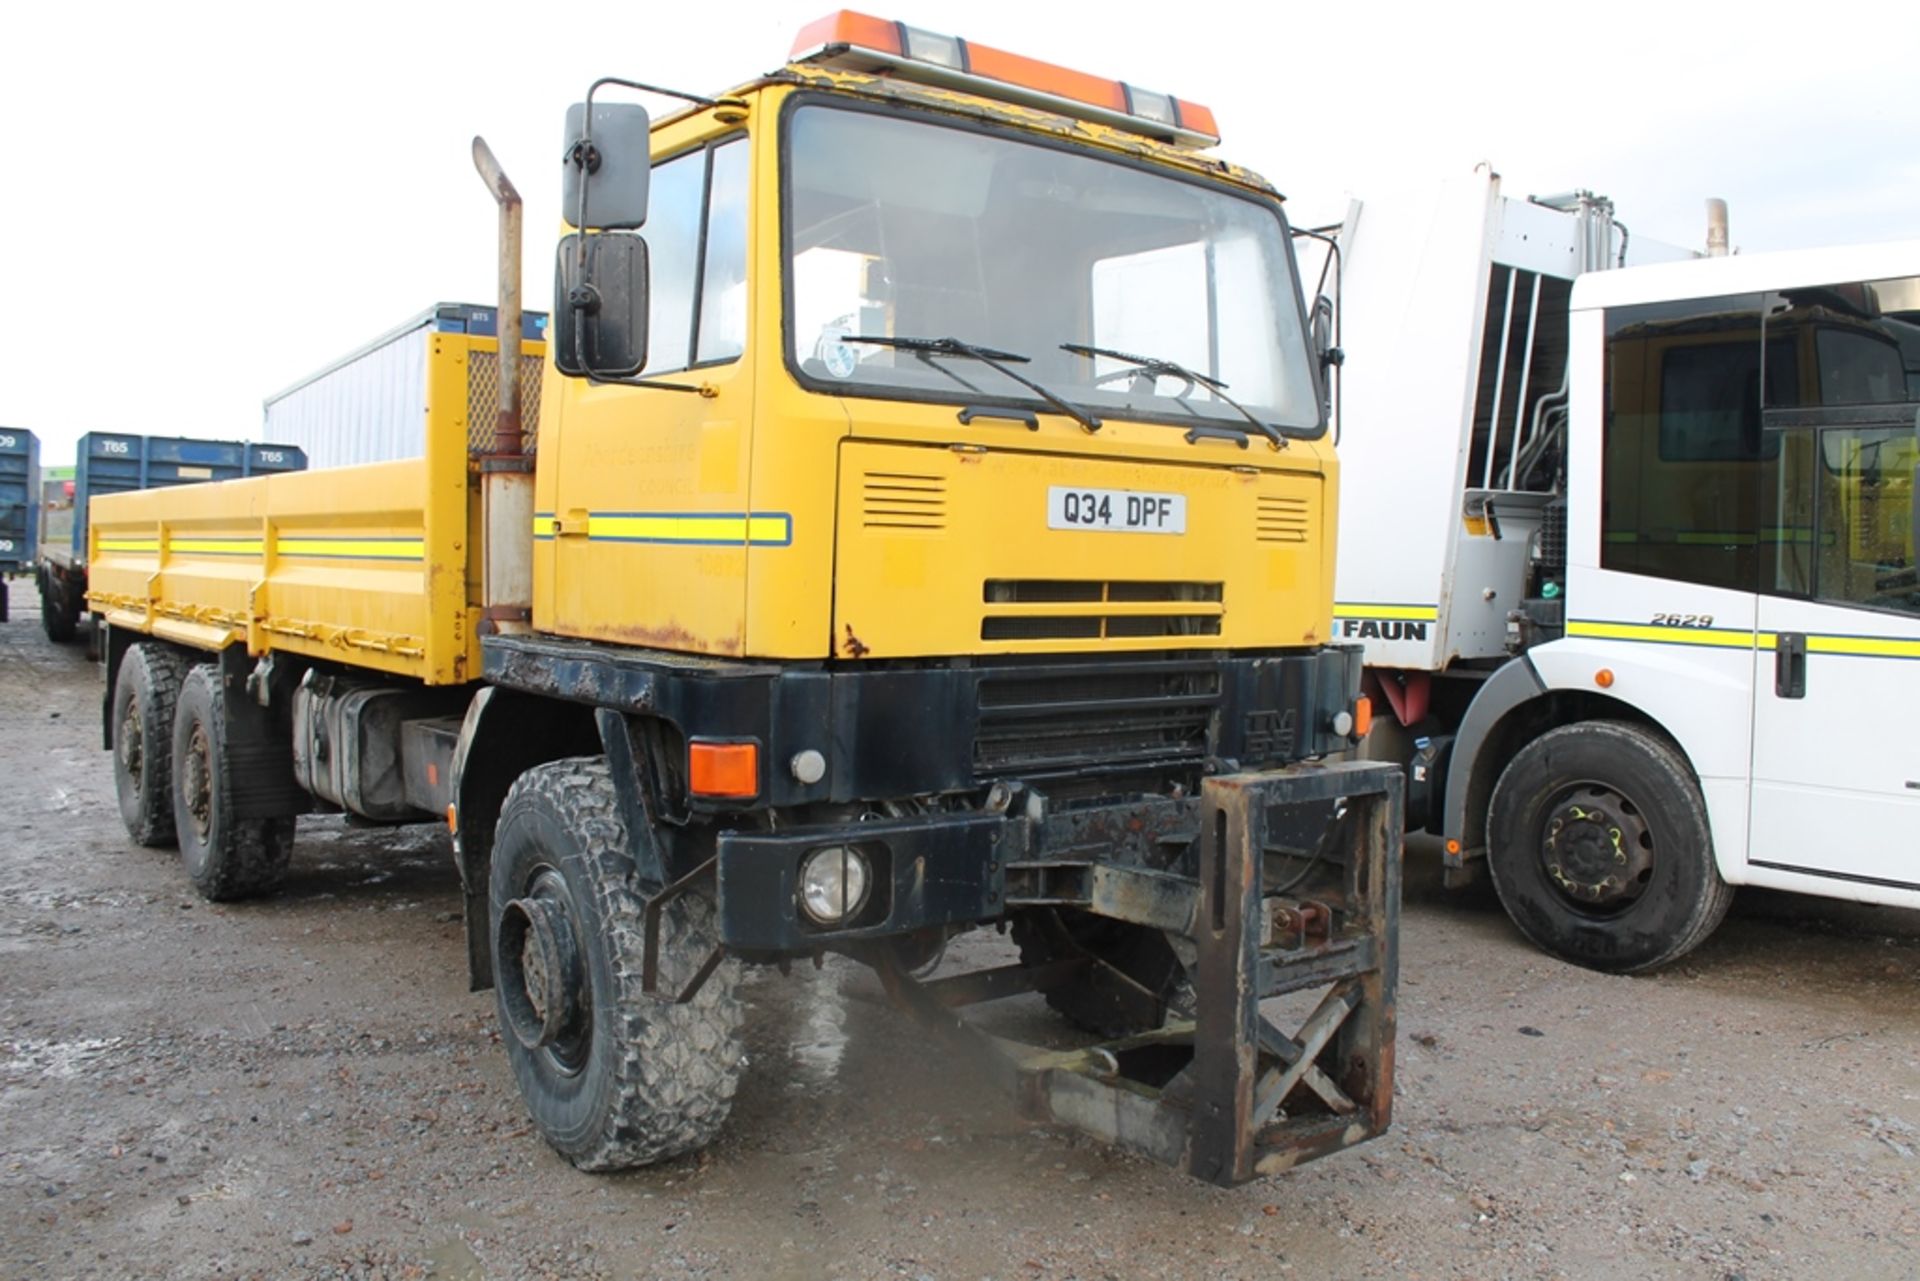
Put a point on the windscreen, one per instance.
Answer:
(903, 227)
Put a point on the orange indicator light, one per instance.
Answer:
(723, 769)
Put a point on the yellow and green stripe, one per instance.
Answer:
(325, 547)
(696, 529)
(1647, 633)
(1835, 643)
(1388, 613)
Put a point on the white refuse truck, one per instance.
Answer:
(1631, 554)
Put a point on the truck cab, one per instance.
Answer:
(808, 475)
(1624, 654)
(1747, 477)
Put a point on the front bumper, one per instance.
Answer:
(943, 870)
(889, 731)
(948, 868)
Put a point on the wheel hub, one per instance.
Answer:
(197, 784)
(1596, 847)
(131, 748)
(542, 983)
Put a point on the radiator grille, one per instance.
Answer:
(1099, 609)
(1044, 721)
(903, 500)
(1282, 520)
(483, 399)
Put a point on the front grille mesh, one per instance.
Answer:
(1046, 721)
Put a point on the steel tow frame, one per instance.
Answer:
(1227, 1095)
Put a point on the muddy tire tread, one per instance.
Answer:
(246, 857)
(160, 672)
(675, 1068)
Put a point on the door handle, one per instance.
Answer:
(1790, 665)
(1025, 417)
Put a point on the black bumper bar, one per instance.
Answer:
(891, 730)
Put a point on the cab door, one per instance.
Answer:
(648, 515)
(1836, 761)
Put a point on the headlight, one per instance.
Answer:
(834, 883)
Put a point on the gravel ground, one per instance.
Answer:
(302, 1087)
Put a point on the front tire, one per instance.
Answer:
(1600, 848)
(144, 695)
(226, 857)
(612, 1076)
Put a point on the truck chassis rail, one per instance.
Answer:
(1225, 1095)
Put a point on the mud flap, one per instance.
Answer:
(259, 739)
(1230, 1095)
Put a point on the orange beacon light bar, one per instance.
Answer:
(852, 41)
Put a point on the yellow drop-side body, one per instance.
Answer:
(375, 566)
(757, 518)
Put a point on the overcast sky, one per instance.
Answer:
(199, 204)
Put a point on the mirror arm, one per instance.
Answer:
(1335, 355)
(582, 153)
(604, 380)
(647, 88)
(583, 300)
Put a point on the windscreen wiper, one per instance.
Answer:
(989, 356)
(1154, 365)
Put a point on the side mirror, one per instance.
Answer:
(1321, 326)
(1329, 356)
(606, 169)
(600, 313)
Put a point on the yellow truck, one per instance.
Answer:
(926, 525)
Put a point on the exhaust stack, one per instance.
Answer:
(1716, 227)
(506, 470)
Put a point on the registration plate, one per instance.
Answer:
(1128, 511)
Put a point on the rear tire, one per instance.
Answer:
(144, 695)
(60, 623)
(226, 857)
(612, 1076)
(1600, 848)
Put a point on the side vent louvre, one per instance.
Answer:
(900, 500)
(1282, 520)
